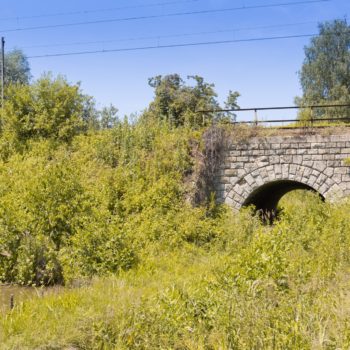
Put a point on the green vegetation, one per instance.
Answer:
(120, 214)
(48, 109)
(177, 103)
(108, 215)
(325, 76)
(199, 283)
(17, 70)
(76, 209)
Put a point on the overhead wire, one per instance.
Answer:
(158, 37)
(202, 43)
(154, 47)
(167, 15)
(86, 12)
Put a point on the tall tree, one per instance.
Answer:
(17, 70)
(231, 103)
(178, 102)
(325, 74)
(108, 117)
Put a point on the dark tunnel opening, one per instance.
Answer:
(265, 198)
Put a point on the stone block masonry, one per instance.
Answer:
(317, 162)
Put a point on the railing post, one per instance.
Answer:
(256, 117)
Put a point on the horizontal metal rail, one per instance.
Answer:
(273, 108)
(256, 121)
(292, 120)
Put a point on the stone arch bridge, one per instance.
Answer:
(261, 170)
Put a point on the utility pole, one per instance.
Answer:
(2, 71)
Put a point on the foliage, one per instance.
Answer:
(231, 103)
(109, 117)
(178, 103)
(248, 286)
(49, 108)
(90, 114)
(325, 76)
(42, 205)
(17, 70)
(72, 211)
(196, 279)
(107, 215)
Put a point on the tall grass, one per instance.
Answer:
(250, 287)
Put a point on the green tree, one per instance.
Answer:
(177, 102)
(50, 108)
(325, 74)
(17, 70)
(90, 113)
(231, 103)
(108, 117)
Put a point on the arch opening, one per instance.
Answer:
(265, 198)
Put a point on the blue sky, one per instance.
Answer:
(265, 72)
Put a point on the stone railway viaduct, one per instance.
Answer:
(261, 170)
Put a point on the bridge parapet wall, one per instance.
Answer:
(317, 161)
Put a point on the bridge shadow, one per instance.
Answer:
(265, 198)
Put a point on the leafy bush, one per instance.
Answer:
(49, 108)
(83, 209)
(110, 208)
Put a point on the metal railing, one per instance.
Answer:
(309, 121)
